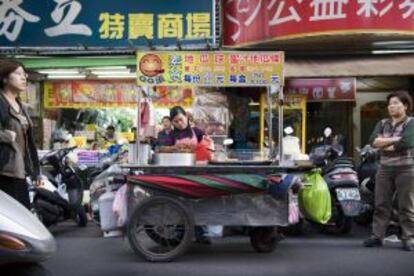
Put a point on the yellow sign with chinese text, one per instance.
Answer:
(210, 68)
(110, 94)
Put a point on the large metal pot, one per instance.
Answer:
(174, 159)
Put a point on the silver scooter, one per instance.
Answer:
(23, 238)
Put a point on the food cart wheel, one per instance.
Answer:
(264, 239)
(160, 229)
(160, 238)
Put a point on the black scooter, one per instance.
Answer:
(60, 198)
(342, 180)
(367, 169)
(88, 176)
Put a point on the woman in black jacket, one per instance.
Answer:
(18, 155)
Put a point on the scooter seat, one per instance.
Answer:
(339, 183)
(342, 170)
(338, 167)
(51, 197)
(344, 160)
(343, 163)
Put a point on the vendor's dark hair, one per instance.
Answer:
(8, 66)
(110, 127)
(404, 97)
(177, 110)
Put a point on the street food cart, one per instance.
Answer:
(168, 203)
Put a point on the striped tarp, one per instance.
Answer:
(201, 186)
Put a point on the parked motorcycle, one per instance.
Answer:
(22, 237)
(60, 196)
(342, 180)
(114, 154)
(367, 169)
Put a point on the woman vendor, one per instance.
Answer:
(190, 139)
(186, 138)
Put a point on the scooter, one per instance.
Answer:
(366, 173)
(23, 238)
(60, 196)
(114, 154)
(342, 180)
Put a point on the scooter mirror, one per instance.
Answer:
(228, 142)
(72, 158)
(327, 132)
(338, 149)
(288, 130)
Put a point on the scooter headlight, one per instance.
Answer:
(11, 243)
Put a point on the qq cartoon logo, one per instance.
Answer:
(150, 66)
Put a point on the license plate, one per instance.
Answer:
(348, 194)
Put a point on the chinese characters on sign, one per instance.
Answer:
(210, 68)
(255, 20)
(141, 24)
(11, 12)
(103, 22)
(12, 17)
(342, 89)
(170, 25)
(66, 21)
(110, 94)
(112, 26)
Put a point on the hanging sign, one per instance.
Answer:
(317, 90)
(110, 94)
(210, 68)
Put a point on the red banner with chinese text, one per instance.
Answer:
(253, 21)
(316, 90)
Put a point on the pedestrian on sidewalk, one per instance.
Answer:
(18, 155)
(394, 137)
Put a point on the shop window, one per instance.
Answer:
(336, 115)
(371, 113)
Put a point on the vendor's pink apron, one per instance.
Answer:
(200, 150)
(188, 141)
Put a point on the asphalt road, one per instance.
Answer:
(85, 252)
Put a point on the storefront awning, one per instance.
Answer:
(76, 62)
(402, 65)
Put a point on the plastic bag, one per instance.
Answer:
(209, 97)
(291, 145)
(120, 205)
(314, 198)
(293, 209)
(202, 149)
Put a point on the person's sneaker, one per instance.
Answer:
(408, 245)
(373, 242)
